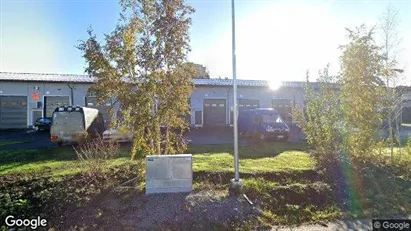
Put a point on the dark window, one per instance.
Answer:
(198, 117)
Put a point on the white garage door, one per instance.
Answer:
(53, 102)
(13, 112)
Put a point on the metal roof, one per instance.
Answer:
(70, 78)
(40, 77)
(229, 82)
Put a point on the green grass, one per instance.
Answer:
(267, 157)
(48, 162)
(259, 158)
(5, 143)
(223, 162)
(259, 185)
(54, 168)
(258, 150)
(276, 175)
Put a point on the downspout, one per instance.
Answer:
(71, 94)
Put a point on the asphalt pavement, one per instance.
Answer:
(30, 139)
(26, 139)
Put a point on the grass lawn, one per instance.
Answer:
(271, 157)
(278, 177)
(48, 162)
(223, 162)
(265, 158)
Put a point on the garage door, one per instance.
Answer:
(52, 102)
(284, 107)
(406, 115)
(245, 104)
(91, 101)
(214, 112)
(13, 112)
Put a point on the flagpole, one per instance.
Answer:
(236, 182)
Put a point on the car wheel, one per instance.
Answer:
(36, 128)
(59, 144)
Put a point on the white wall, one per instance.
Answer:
(44, 89)
(264, 95)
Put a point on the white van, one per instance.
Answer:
(72, 124)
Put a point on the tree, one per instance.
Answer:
(391, 42)
(362, 92)
(141, 65)
(201, 71)
(321, 120)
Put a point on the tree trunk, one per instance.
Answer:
(136, 148)
(398, 135)
(167, 142)
(150, 138)
(158, 136)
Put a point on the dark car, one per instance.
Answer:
(42, 124)
(262, 123)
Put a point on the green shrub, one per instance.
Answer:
(321, 120)
(96, 151)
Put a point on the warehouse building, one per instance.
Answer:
(24, 97)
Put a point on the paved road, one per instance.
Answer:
(200, 136)
(27, 139)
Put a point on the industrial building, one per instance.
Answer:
(24, 97)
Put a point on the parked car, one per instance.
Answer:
(262, 123)
(73, 124)
(42, 124)
(117, 135)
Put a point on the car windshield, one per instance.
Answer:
(271, 118)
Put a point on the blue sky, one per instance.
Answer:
(276, 40)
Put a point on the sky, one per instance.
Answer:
(275, 40)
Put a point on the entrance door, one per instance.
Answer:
(36, 115)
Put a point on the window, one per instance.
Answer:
(198, 117)
(271, 118)
(73, 119)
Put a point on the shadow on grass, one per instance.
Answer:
(64, 153)
(6, 143)
(223, 178)
(385, 192)
(373, 191)
(13, 156)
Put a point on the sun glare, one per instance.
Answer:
(274, 85)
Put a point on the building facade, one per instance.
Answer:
(25, 97)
